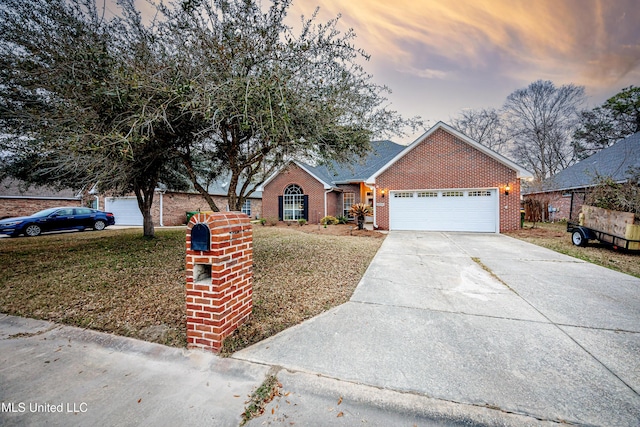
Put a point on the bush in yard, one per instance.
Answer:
(624, 197)
(343, 219)
(329, 220)
(302, 222)
(272, 221)
(360, 211)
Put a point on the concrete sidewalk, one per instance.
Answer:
(546, 336)
(63, 376)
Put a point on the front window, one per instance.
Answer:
(348, 200)
(246, 207)
(293, 202)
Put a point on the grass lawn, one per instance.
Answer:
(554, 236)
(117, 281)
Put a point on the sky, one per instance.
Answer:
(440, 57)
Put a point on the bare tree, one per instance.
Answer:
(540, 120)
(483, 126)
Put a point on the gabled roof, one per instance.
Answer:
(220, 187)
(613, 162)
(521, 172)
(339, 173)
(357, 171)
(12, 188)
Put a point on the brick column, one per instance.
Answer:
(220, 280)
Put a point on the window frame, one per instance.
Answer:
(347, 206)
(246, 207)
(292, 203)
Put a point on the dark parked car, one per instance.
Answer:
(64, 218)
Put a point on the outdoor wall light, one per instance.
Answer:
(382, 193)
(507, 188)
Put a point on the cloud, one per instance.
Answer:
(593, 42)
(426, 73)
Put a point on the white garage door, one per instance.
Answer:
(125, 209)
(444, 210)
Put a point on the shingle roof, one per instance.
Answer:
(337, 173)
(15, 188)
(220, 187)
(613, 162)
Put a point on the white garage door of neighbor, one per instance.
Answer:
(473, 210)
(125, 209)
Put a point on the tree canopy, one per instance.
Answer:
(617, 118)
(203, 90)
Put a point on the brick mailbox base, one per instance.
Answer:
(219, 277)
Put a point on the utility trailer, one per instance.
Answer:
(612, 228)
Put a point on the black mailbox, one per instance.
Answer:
(200, 238)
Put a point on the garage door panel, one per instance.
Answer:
(124, 209)
(444, 210)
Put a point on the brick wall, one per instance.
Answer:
(561, 203)
(10, 207)
(175, 206)
(310, 186)
(442, 161)
(221, 300)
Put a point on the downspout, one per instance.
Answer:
(325, 201)
(161, 209)
(375, 208)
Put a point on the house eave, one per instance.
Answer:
(42, 197)
(579, 187)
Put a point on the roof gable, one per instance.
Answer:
(521, 172)
(613, 162)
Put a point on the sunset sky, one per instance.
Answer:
(442, 56)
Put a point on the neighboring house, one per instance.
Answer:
(171, 207)
(16, 199)
(444, 181)
(563, 195)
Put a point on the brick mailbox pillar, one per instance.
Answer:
(219, 277)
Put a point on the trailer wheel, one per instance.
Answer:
(578, 238)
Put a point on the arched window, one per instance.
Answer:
(293, 203)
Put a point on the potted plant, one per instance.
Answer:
(360, 211)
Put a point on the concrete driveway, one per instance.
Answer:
(470, 322)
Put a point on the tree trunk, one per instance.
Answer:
(145, 201)
(203, 192)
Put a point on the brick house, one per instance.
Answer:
(443, 181)
(562, 195)
(169, 207)
(19, 200)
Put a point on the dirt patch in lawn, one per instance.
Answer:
(330, 230)
(117, 281)
(554, 236)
